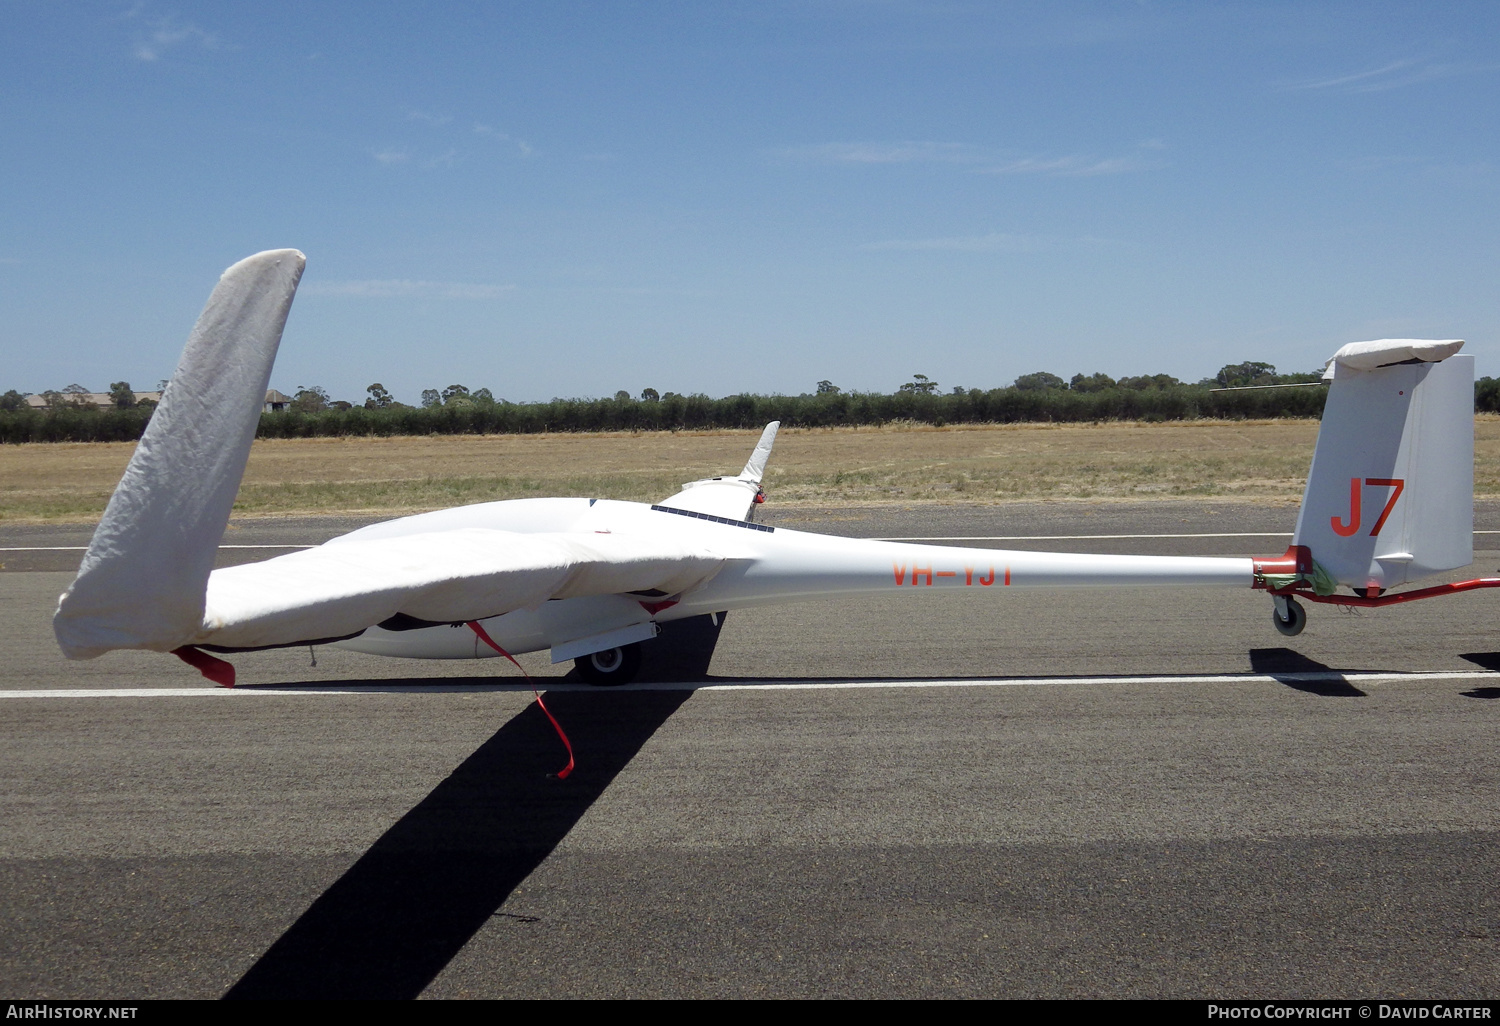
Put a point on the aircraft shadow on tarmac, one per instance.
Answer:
(400, 914)
(390, 925)
(1297, 671)
(1489, 661)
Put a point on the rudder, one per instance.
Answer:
(1390, 496)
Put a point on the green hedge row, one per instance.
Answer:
(675, 412)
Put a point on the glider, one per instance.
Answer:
(1389, 500)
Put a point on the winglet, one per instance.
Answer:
(756, 466)
(143, 579)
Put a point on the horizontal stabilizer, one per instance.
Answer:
(1387, 352)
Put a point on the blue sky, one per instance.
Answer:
(562, 199)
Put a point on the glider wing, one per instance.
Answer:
(334, 591)
(142, 580)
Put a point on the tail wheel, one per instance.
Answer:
(611, 667)
(1296, 618)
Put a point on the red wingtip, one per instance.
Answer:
(215, 669)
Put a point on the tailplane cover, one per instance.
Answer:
(1390, 497)
(143, 580)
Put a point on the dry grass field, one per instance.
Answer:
(980, 463)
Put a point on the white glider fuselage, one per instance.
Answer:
(761, 565)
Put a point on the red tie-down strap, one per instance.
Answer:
(484, 636)
(216, 670)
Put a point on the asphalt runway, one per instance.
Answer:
(1059, 794)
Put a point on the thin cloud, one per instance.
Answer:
(1113, 166)
(1394, 75)
(885, 153)
(488, 132)
(412, 114)
(1075, 166)
(993, 242)
(166, 34)
(394, 288)
(1474, 172)
(977, 159)
(391, 156)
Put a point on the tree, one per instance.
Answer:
(1039, 381)
(920, 385)
(622, 396)
(311, 400)
(14, 400)
(484, 395)
(1486, 395)
(379, 399)
(1146, 381)
(1091, 383)
(121, 395)
(75, 395)
(456, 395)
(431, 397)
(826, 387)
(650, 395)
(1241, 375)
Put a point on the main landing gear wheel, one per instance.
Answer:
(611, 667)
(1296, 618)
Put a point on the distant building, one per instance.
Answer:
(276, 402)
(97, 400)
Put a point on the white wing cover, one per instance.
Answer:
(336, 590)
(142, 580)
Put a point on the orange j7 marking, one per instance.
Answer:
(1346, 528)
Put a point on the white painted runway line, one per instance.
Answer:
(85, 548)
(1091, 537)
(1080, 537)
(504, 684)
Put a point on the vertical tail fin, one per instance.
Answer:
(1390, 497)
(143, 579)
(732, 497)
(755, 466)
